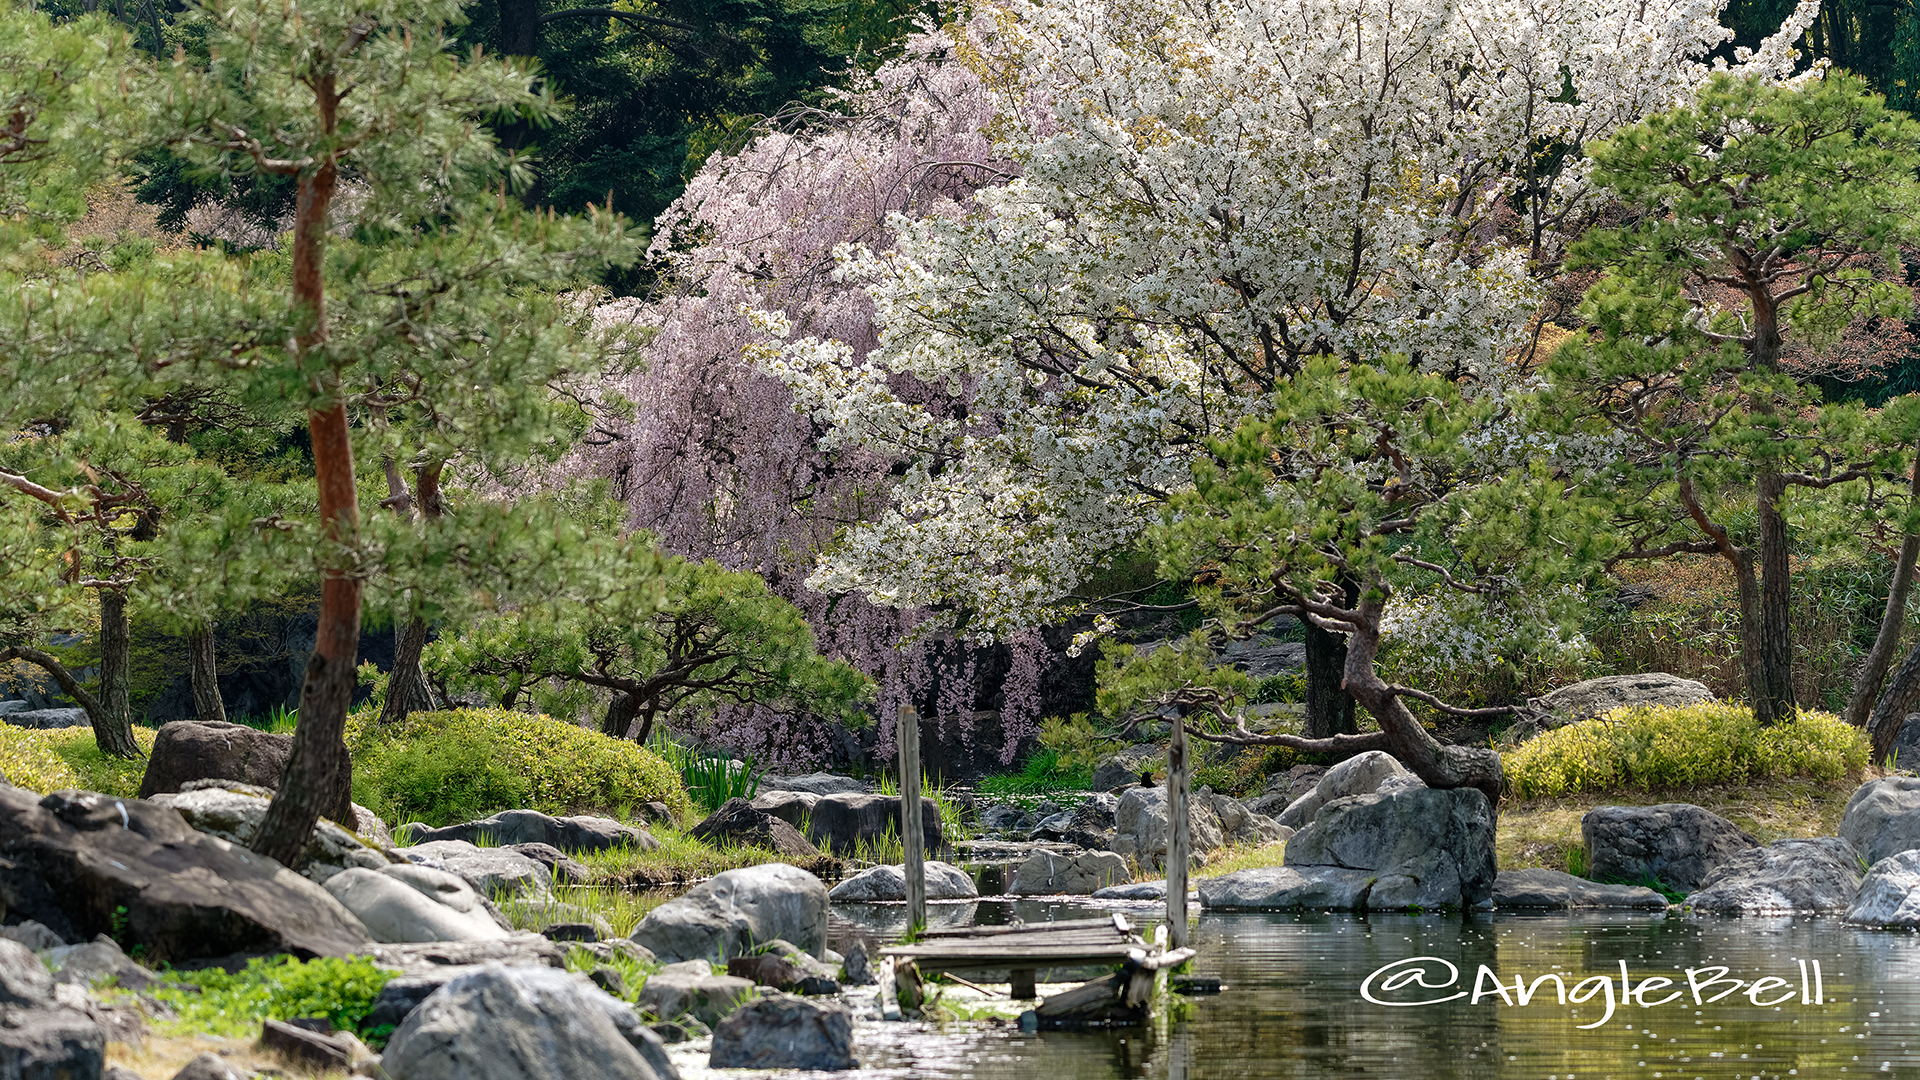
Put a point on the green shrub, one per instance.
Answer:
(52, 759)
(281, 988)
(444, 767)
(1043, 770)
(1654, 747)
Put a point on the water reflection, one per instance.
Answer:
(1292, 1008)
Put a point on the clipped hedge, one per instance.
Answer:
(446, 767)
(1655, 747)
(53, 759)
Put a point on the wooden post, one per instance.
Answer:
(912, 836)
(1179, 842)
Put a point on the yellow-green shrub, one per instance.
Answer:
(52, 759)
(1658, 746)
(443, 767)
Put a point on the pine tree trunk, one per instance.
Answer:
(407, 690)
(319, 777)
(1329, 707)
(1873, 674)
(205, 675)
(520, 27)
(115, 743)
(116, 677)
(1773, 695)
(1438, 764)
(1890, 715)
(621, 712)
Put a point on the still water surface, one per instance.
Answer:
(1292, 1005)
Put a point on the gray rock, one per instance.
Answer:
(1890, 895)
(737, 823)
(843, 823)
(1123, 768)
(562, 869)
(234, 816)
(115, 1072)
(792, 807)
(33, 935)
(1284, 888)
(14, 705)
(886, 883)
(1427, 848)
(1883, 817)
(1295, 782)
(1787, 877)
(1675, 844)
(186, 894)
(569, 834)
(1298, 814)
(40, 1037)
(675, 991)
(854, 970)
(1906, 745)
(1361, 774)
(501, 1023)
(1597, 697)
(1140, 827)
(1557, 890)
(784, 1033)
(1139, 890)
(396, 910)
(818, 783)
(1047, 874)
(403, 993)
(491, 871)
(211, 1066)
(520, 949)
(187, 750)
(1263, 658)
(96, 963)
(46, 719)
(728, 914)
(999, 817)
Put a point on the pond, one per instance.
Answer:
(1292, 1005)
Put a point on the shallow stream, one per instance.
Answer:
(1292, 1005)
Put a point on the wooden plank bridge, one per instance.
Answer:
(1122, 997)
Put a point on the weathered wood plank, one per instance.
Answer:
(912, 839)
(1107, 924)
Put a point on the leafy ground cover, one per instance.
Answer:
(51, 759)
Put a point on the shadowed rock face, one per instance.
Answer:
(1787, 877)
(186, 894)
(569, 834)
(1557, 890)
(841, 823)
(1676, 844)
(192, 750)
(784, 1033)
(39, 1036)
(1426, 848)
(1882, 818)
(738, 822)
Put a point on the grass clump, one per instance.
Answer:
(1042, 771)
(1656, 747)
(54, 759)
(446, 767)
(282, 988)
(679, 860)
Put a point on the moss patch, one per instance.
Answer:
(445, 767)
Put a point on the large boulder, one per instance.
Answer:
(491, 871)
(1557, 890)
(569, 834)
(1597, 697)
(730, 913)
(1241, 825)
(692, 989)
(814, 784)
(1362, 774)
(1089, 825)
(41, 1037)
(784, 1033)
(86, 864)
(738, 823)
(844, 823)
(518, 949)
(1675, 844)
(1883, 817)
(1787, 877)
(1890, 895)
(45, 719)
(1140, 827)
(792, 807)
(1427, 848)
(501, 1023)
(888, 883)
(1286, 888)
(395, 909)
(1124, 767)
(235, 816)
(1047, 874)
(216, 750)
